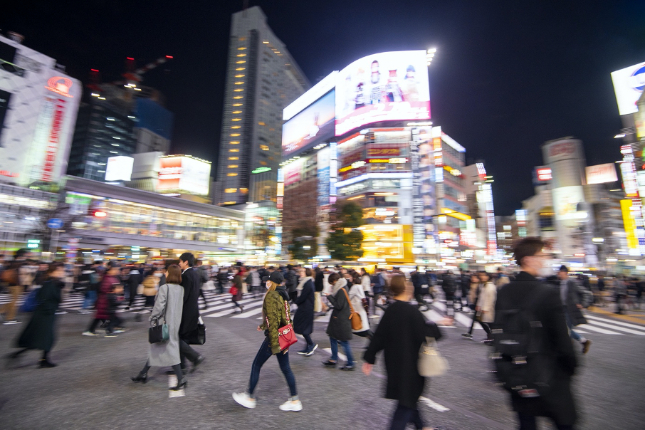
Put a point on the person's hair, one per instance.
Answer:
(174, 274)
(188, 258)
(364, 271)
(397, 285)
(198, 262)
(564, 268)
(333, 278)
(113, 264)
(483, 273)
(308, 271)
(169, 263)
(54, 267)
(356, 279)
(527, 247)
(20, 253)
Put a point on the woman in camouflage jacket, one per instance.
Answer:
(274, 313)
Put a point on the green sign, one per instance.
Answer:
(261, 170)
(33, 243)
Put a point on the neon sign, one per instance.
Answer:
(60, 86)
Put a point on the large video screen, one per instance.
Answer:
(389, 86)
(313, 125)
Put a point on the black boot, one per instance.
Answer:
(181, 384)
(45, 363)
(141, 377)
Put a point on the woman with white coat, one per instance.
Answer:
(168, 307)
(356, 296)
(486, 305)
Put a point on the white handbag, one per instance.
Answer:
(431, 363)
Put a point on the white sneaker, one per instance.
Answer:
(291, 406)
(89, 333)
(11, 322)
(244, 400)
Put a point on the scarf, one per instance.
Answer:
(302, 283)
(338, 285)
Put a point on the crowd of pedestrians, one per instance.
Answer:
(508, 308)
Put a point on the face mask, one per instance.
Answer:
(546, 270)
(158, 275)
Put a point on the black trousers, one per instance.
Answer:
(527, 422)
(133, 294)
(404, 415)
(201, 294)
(115, 321)
(420, 300)
(186, 352)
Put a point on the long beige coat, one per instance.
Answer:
(171, 298)
(487, 299)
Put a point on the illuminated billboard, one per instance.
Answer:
(184, 174)
(312, 125)
(628, 86)
(293, 172)
(119, 169)
(389, 86)
(601, 174)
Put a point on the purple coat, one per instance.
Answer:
(102, 304)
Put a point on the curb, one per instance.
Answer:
(627, 318)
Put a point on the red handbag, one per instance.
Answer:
(286, 335)
(233, 290)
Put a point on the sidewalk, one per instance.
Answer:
(633, 316)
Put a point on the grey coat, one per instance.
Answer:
(171, 298)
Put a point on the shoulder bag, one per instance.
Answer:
(357, 322)
(198, 336)
(431, 363)
(159, 333)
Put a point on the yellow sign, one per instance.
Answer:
(629, 223)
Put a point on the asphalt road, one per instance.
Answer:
(91, 386)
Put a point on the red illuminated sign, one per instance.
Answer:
(60, 85)
(543, 174)
(383, 152)
(54, 136)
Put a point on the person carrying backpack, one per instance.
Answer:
(533, 354)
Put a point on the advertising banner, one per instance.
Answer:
(628, 86)
(629, 223)
(601, 173)
(564, 149)
(293, 172)
(311, 126)
(324, 157)
(184, 174)
(388, 86)
(119, 169)
(383, 151)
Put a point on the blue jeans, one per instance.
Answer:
(345, 345)
(283, 359)
(574, 334)
(90, 298)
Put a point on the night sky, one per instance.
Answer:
(508, 75)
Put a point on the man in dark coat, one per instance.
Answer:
(190, 313)
(419, 279)
(568, 289)
(558, 404)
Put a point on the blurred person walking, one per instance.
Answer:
(101, 313)
(190, 311)
(167, 309)
(319, 285)
(303, 322)
(135, 278)
(448, 286)
(419, 279)
(486, 304)
(366, 283)
(400, 334)
(568, 289)
(339, 329)
(357, 299)
(40, 332)
(203, 279)
(236, 289)
(150, 286)
(275, 313)
(114, 299)
(473, 303)
(11, 277)
(527, 297)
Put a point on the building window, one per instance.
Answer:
(240, 68)
(236, 127)
(240, 62)
(239, 76)
(234, 150)
(239, 83)
(237, 111)
(231, 174)
(264, 163)
(235, 134)
(241, 48)
(264, 147)
(237, 90)
(233, 166)
(237, 104)
(236, 119)
(238, 97)
(235, 142)
(230, 190)
(233, 158)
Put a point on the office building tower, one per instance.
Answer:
(262, 79)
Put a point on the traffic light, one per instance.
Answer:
(99, 213)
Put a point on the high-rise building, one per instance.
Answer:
(262, 79)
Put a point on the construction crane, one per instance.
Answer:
(134, 77)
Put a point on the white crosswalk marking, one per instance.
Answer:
(247, 314)
(638, 327)
(233, 309)
(597, 329)
(616, 327)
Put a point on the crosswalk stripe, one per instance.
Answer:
(615, 327)
(597, 329)
(466, 322)
(341, 356)
(230, 311)
(638, 327)
(247, 314)
(225, 304)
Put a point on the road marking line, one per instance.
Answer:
(434, 405)
(230, 311)
(638, 327)
(597, 329)
(341, 356)
(246, 314)
(463, 319)
(172, 382)
(626, 330)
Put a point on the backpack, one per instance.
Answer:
(522, 362)
(30, 303)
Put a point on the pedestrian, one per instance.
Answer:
(275, 313)
(133, 281)
(448, 287)
(378, 288)
(114, 299)
(303, 322)
(319, 285)
(473, 302)
(236, 289)
(92, 288)
(10, 276)
(110, 279)
(340, 326)
(568, 289)
(203, 279)
(366, 282)
(150, 286)
(486, 304)
(556, 353)
(291, 279)
(167, 310)
(419, 279)
(222, 280)
(356, 298)
(400, 334)
(40, 332)
(190, 311)
(620, 293)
